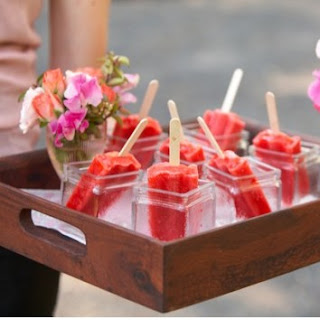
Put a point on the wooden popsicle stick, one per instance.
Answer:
(174, 114)
(174, 146)
(318, 49)
(272, 112)
(232, 90)
(173, 109)
(210, 137)
(148, 98)
(133, 138)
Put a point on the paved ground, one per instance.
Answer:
(192, 47)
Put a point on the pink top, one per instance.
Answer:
(18, 44)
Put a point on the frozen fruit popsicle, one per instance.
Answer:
(170, 224)
(225, 125)
(109, 164)
(285, 147)
(129, 123)
(83, 199)
(189, 152)
(250, 201)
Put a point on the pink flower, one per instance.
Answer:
(124, 96)
(67, 125)
(314, 90)
(82, 90)
(28, 116)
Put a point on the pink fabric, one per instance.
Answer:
(18, 44)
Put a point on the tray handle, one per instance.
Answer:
(17, 227)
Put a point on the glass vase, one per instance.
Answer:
(82, 148)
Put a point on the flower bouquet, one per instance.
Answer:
(74, 107)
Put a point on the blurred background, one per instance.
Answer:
(192, 47)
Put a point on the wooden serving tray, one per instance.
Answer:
(161, 276)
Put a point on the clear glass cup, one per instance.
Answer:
(76, 150)
(143, 149)
(236, 142)
(169, 215)
(239, 198)
(108, 198)
(299, 172)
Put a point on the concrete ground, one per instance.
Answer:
(192, 48)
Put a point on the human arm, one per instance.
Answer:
(78, 32)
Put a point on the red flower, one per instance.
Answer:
(109, 93)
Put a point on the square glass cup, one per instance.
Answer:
(236, 142)
(107, 197)
(168, 216)
(143, 149)
(240, 198)
(299, 172)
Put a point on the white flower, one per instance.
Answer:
(28, 116)
(318, 49)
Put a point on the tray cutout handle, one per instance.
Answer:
(50, 236)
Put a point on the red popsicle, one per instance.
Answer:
(285, 148)
(225, 125)
(108, 164)
(189, 152)
(83, 199)
(250, 200)
(129, 123)
(170, 224)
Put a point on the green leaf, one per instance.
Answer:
(109, 68)
(124, 60)
(22, 95)
(97, 133)
(39, 79)
(116, 81)
(124, 111)
(43, 123)
(57, 113)
(99, 121)
(84, 136)
(118, 72)
(118, 119)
